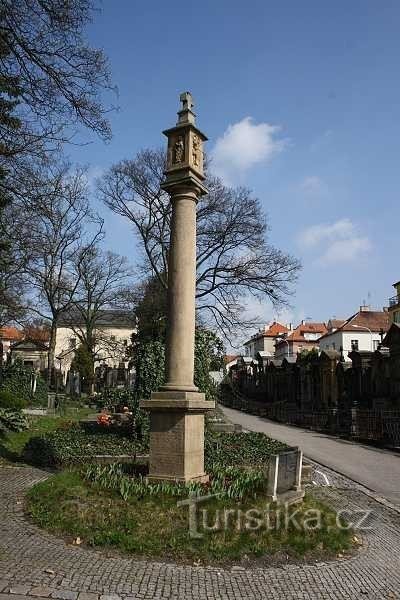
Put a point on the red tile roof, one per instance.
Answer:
(298, 333)
(375, 320)
(336, 323)
(11, 333)
(275, 329)
(230, 357)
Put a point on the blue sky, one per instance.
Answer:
(300, 101)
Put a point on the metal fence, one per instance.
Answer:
(380, 426)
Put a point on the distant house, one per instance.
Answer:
(362, 331)
(304, 337)
(113, 331)
(264, 340)
(230, 360)
(8, 336)
(394, 305)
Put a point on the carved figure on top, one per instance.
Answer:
(179, 151)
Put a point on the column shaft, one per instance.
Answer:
(181, 291)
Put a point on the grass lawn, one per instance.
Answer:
(154, 526)
(12, 444)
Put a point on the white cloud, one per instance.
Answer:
(313, 235)
(312, 185)
(345, 250)
(243, 145)
(337, 242)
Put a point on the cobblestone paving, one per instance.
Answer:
(36, 564)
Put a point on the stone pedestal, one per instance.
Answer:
(177, 409)
(177, 436)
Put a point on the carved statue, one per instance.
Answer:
(179, 150)
(196, 151)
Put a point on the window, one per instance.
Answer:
(396, 317)
(354, 345)
(333, 346)
(376, 344)
(112, 338)
(125, 342)
(72, 342)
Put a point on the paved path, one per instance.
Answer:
(36, 564)
(376, 469)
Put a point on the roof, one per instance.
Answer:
(375, 320)
(336, 323)
(272, 331)
(29, 345)
(275, 329)
(298, 333)
(106, 318)
(230, 358)
(11, 333)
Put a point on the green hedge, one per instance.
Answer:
(243, 449)
(78, 443)
(17, 380)
(9, 399)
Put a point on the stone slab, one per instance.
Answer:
(177, 400)
(20, 589)
(65, 594)
(43, 591)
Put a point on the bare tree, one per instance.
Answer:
(14, 258)
(62, 230)
(56, 76)
(234, 259)
(52, 83)
(104, 279)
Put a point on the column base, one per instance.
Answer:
(177, 435)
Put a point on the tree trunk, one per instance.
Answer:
(52, 352)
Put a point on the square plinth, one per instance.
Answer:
(177, 435)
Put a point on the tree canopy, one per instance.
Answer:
(234, 256)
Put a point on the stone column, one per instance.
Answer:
(181, 290)
(177, 409)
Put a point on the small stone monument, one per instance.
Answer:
(177, 409)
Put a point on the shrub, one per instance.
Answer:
(9, 399)
(116, 397)
(17, 379)
(12, 420)
(239, 449)
(78, 443)
(150, 363)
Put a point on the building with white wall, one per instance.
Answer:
(362, 331)
(113, 331)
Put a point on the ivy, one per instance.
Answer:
(150, 364)
(16, 378)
